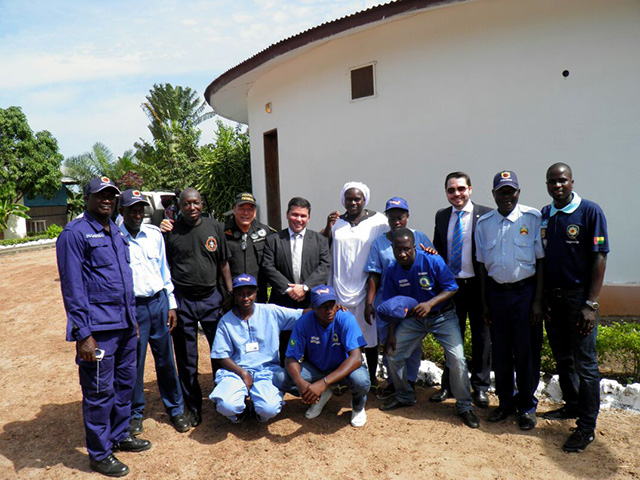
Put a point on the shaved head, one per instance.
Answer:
(560, 166)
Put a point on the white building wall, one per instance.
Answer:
(16, 226)
(476, 87)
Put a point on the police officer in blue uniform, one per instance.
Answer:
(155, 311)
(97, 289)
(509, 247)
(574, 235)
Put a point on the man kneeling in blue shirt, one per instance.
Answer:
(325, 348)
(427, 279)
(247, 347)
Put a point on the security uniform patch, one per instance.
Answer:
(211, 244)
(573, 231)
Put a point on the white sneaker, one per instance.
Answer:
(316, 408)
(359, 418)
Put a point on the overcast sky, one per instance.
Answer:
(82, 68)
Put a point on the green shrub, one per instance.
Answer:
(16, 241)
(621, 342)
(53, 231)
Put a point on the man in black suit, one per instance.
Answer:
(454, 239)
(295, 260)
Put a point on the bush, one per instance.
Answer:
(16, 241)
(53, 231)
(621, 341)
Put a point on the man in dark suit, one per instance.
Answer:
(295, 260)
(454, 239)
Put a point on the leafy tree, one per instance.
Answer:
(173, 158)
(99, 162)
(7, 207)
(226, 168)
(29, 163)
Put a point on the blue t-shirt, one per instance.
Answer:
(254, 344)
(427, 277)
(569, 240)
(381, 256)
(325, 348)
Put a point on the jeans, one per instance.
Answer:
(357, 382)
(409, 334)
(575, 355)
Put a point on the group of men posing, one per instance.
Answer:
(505, 270)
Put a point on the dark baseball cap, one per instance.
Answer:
(244, 280)
(245, 197)
(322, 294)
(396, 202)
(396, 308)
(131, 197)
(98, 184)
(505, 178)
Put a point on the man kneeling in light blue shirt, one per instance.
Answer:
(247, 347)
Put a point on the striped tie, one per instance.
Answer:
(456, 245)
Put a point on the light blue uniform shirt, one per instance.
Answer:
(254, 344)
(381, 255)
(149, 263)
(509, 246)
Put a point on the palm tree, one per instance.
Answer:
(97, 163)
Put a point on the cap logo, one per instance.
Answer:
(136, 193)
(395, 202)
(211, 244)
(505, 175)
(325, 290)
(244, 279)
(105, 179)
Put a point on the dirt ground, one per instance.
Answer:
(41, 432)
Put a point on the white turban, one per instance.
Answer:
(360, 186)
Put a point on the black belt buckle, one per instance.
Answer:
(557, 292)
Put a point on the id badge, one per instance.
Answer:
(252, 347)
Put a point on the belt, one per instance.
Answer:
(145, 300)
(465, 281)
(561, 292)
(519, 285)
(447, 308)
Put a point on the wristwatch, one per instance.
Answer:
(593, 305)
(305, 288)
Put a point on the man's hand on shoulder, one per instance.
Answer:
(166, 225)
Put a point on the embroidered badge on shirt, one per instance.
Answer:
(315, 340)
(211, 244)
(292, 342)
(424, 282)
(598, 240)
(573, 231)
(524, 230)
(336, 340)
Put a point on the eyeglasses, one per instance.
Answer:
(452, 190)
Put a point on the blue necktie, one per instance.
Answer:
(456, 245)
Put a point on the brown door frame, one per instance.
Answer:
(272, 178)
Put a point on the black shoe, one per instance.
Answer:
(499, 414)
(527, 421)
(563, 413)
(578, 441)
(388, 392)
(135, 426)
(110, 466)
(440, 396)
(195, 417)
(481, 399)
(180, 422)
(470, 419)
(132, 444)
(393, 404)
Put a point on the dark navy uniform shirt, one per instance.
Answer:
(570, 236)
(427, 277)
(95, 278)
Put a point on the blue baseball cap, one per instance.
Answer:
(396, 202)
(396, 308)
(98, 184)
(131, 197)
(244, 280)
(505, 178)
(322, 294)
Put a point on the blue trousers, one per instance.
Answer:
(185, 341)
(516, 345)
(576, 356)
(151, 315)
(106, 391)
(410, 333)
(230, 392)
(357, 382)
